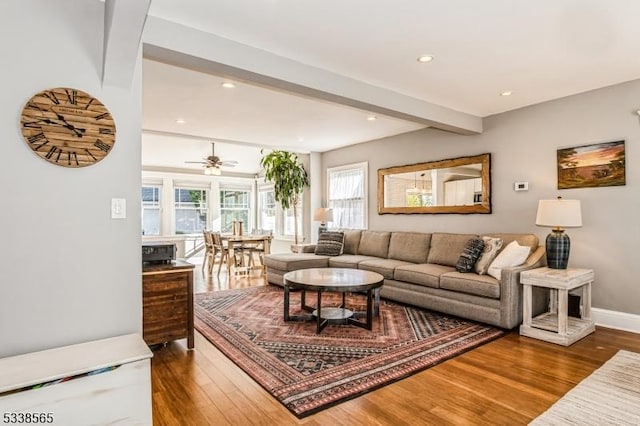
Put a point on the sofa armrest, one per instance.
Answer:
(303, 248)
(511, 290)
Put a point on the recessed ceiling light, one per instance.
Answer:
(180, 121)
(228, 85)
(425, 58)
(507, 93)
(372, 118)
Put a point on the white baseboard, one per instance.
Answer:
(618, 320)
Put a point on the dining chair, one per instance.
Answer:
(219, 247)
(257, 248)
(210, 251)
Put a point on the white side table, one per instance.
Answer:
(556, 326)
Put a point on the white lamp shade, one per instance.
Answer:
(559, 213)
(215, 171)
(323, 215)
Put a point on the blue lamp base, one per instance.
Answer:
(558, 246)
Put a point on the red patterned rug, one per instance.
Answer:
(307, 372)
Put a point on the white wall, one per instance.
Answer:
(523, 146)
(69, 272)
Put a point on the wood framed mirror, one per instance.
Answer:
(457, 185)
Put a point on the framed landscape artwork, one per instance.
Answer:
(591, 166)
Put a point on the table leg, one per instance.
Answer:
(526, 305)
(563, 296)
(230, 258)
(369, 309)
(553, 300)
(586, 301)
(319, 314)
(286, 302)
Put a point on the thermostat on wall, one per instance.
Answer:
(521, 186)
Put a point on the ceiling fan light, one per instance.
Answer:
(212, 171)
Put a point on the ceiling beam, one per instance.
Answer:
(123, 25)
(188, 47)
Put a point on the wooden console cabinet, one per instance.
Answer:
(167, 302)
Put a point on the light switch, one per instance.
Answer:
(118, 208)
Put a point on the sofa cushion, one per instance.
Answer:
(385, 267)
(479, 285)
(512, 255)
(330, 243)
(409, 246)
(529, 240)
(426, 274)
(348, 260)
(491, 249)
(294, 261)
(470, 255)
(446, 248)
(374, 243)
(351, 241)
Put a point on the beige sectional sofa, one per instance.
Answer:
(419, 269)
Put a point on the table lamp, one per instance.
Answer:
(558, 214)
(323, 215)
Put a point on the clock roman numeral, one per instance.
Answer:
(37, 147)
(102, 146)
(72, 156)
(33, 105)
(31, 125)
(52, 97)
(35, 138)
(90, 155)
(106, 131)
(53, 151)
(89, 103)
(101, 116)
(72, 96)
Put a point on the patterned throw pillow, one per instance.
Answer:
(470, 254)
(491, 248)
(330, 244)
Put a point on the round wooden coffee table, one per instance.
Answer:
(337, 280)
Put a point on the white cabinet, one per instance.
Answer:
(459, 192)
(477, 185)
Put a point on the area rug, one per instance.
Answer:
(308, 372)
(609, 396)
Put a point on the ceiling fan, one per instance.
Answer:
(213, 164)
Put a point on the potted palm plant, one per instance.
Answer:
(289, 178)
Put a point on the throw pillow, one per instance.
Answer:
(513, 255)
(330, 244)
(491, 248)
(470, 254)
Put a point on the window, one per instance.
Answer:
(234, 204)
(347, 195)
(151, 217)
(267, 209)
(191, 210)
(272, 217)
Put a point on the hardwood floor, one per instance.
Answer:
(508, 381)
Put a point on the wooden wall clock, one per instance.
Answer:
(68, 127)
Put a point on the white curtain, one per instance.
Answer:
(346, 198)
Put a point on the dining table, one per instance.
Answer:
(235, 242)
